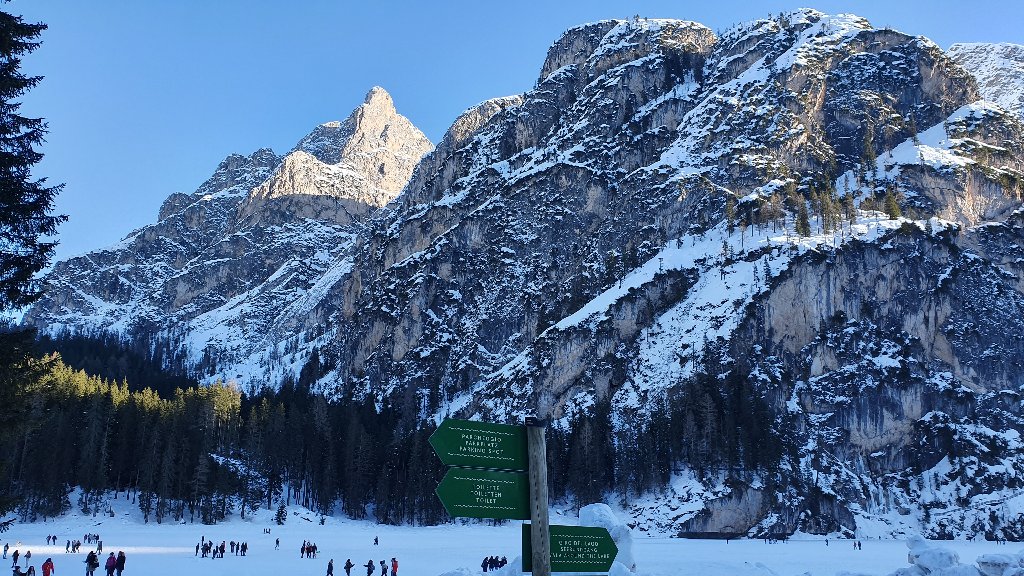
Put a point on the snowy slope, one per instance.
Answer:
(999, 70)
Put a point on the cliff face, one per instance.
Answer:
(664, 210)
(998, 69)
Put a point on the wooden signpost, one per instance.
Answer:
(487, 481)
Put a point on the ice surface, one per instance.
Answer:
(451, 550)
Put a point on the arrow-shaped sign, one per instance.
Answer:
(480, 445)
(574, 549)
(485, 494)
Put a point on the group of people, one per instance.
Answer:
(27, 557)
(111, 565)
(208, 548)
(307, 550)
(370, 567)
(492, 563)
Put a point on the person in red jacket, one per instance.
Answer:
(394, 567)
(48, 567)
(110, 565)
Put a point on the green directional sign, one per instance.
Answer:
(480, 445)
(485, 494)
(574, 549)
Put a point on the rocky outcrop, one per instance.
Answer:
(998, 69)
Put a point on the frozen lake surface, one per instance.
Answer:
(169, 549)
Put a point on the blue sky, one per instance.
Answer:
(145, 97)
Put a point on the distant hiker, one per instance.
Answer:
(232, 546)
(375, 542)
(330, 567)
(302, 550)
(394, 567)
(197, 548)
(99, 546)
(369, 567)
(110, 565)
(502, 562)
(485, 564)
(28, 556)
(91, 563)
(47, 567)
(120, 562)
(277, 543)
(383, 569)
(67, 547)
(245, 548)
(6, 547)
(348, 567)
(15, 556)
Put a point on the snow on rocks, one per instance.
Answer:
(601, 516)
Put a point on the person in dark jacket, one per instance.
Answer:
(120, 562)
(348, 567)
(91, 563)
(330, 567)
(369, 567)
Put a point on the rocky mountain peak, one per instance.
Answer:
(363, 162)
(600, 46)
(379, 99)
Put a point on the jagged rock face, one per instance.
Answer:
(573, 245)
(998, 69)
(344, 170)
(226, 271)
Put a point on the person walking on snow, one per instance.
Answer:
(110, 565)
(120, 562)
(6, 548)
(369, 567)
(277, 543)
(348, 567)
(330, 567)
(48, 567)
(394, 567)
(91, 563)
(383, 569)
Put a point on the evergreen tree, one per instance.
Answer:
(25, 206)
(282, 514)
(803, 223)
(892, 206)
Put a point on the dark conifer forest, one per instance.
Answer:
(203, 453)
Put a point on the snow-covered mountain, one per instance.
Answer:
(229, 271)
(999, 70)
(631, 238)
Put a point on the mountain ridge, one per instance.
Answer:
(673, 228)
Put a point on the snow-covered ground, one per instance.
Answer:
(169, 549)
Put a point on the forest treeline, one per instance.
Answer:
(203, 453)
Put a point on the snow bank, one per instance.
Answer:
(601, 516)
